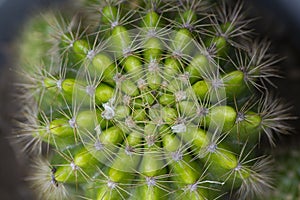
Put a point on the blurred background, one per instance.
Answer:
(278, 20)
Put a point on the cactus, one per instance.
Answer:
(148, 100)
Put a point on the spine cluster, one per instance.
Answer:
(148, 100)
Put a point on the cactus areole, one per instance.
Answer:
(148, 100)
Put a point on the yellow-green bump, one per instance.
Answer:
(127, 160)
(221, 118)
(81, 48)
(103, 65)
(103, 93)
(198, 68)
(151, 20)
(171, 67)
(133, 67)
(152, 49)
(121, 41)
(182, 166)
(77, 170)
(109, 14)
(234, 84)
(182, 43)
(61, 127)
(247, 127)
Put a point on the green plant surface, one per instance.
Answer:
(148, 100)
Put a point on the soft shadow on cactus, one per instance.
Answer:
(151, 99)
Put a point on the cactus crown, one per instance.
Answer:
(150, 100)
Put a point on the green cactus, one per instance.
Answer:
(148, 100)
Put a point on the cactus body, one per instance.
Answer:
(151, 101)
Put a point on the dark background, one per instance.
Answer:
(277, 20)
